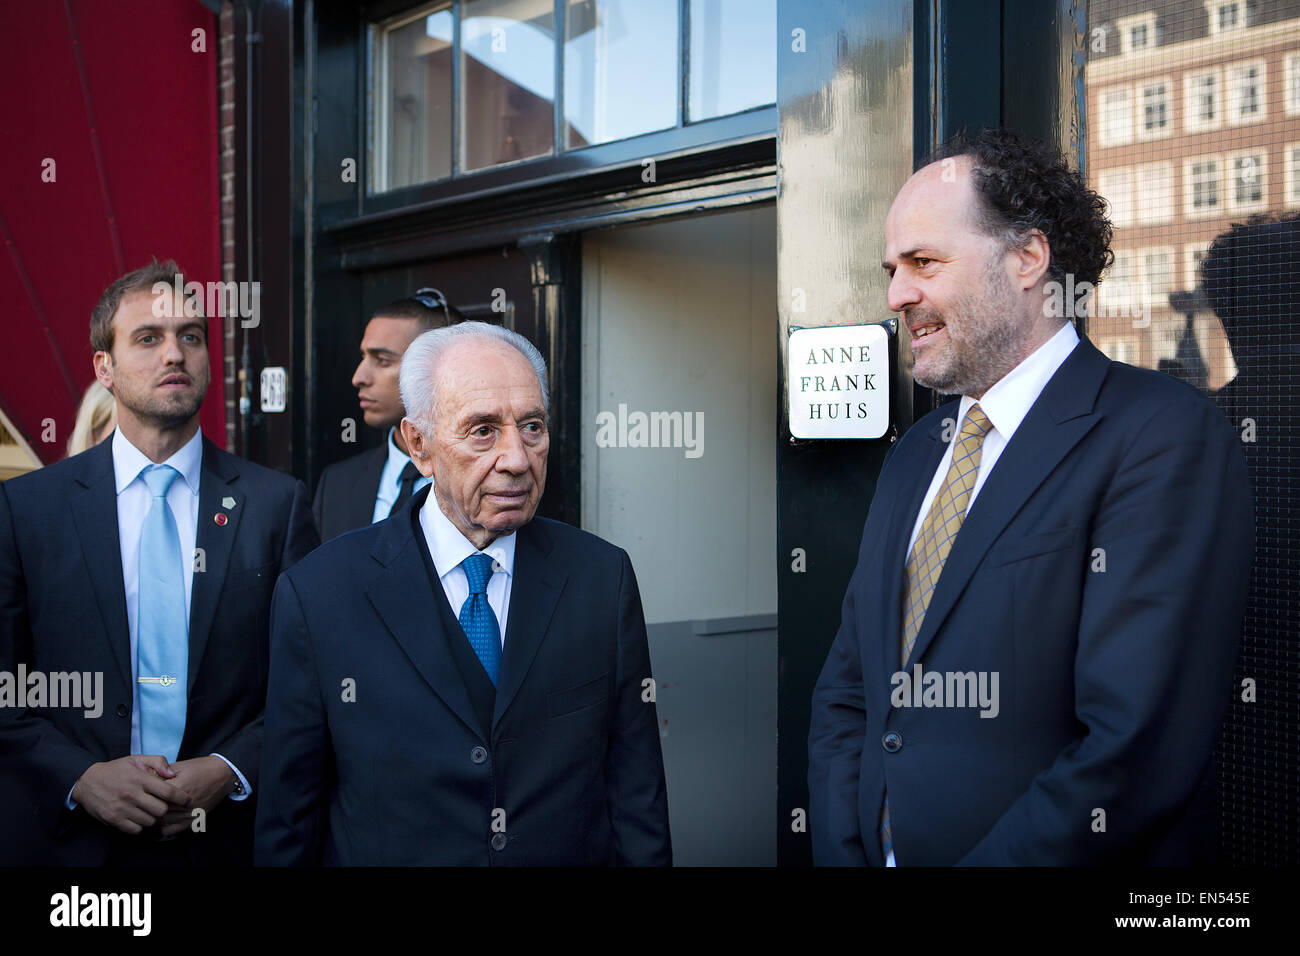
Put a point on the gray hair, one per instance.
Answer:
(421, 359)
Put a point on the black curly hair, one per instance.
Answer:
(1026, 184)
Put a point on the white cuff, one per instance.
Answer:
(245, 788)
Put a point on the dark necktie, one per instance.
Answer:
(409, 475)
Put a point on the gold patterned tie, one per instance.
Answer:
(938, 531)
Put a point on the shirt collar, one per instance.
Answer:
(397, 459)
(1008, 402)
(129, 461)
(448, 547)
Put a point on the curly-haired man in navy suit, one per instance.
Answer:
(1037, 644)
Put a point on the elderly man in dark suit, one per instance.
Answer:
(147, 561)
(464, 683)
(1037, 644)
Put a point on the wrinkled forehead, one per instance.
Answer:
(484, 375)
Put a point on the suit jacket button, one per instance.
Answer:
(892, 742)
(123, 710)
(478, 755)
(498, 841)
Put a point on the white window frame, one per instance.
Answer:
(1106, 288)
(1120, 215)
(1105, 139)
(1117, 350)
(1291, 92)
(1291, 175)
(1148, 291)
(1230, 179)
(1231, 85)
(1125, 24)
(1212, 8)
(1189, 210)
(1143, 213)
(1190, 262)
(378, 139)
(1192, 122)
(1139, 113)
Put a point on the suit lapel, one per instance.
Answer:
(94, 512)
(918, 470)
(533, 595)
(407, 602)
(215, 542)
(1057, 421)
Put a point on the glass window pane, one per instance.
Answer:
(620, 69)
(733, 56)
(507, 67)
(413, 100)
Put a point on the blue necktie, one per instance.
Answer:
(162, 644)
(476, 617)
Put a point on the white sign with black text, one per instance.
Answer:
(839, 382)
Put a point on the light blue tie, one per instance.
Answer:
(476, 617)
(162, 644)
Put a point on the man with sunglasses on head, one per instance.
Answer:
(369, 486)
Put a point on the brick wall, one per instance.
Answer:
(226, 139)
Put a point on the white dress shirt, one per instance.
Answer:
(133, 503)
(390, 481)
(448, 548)
(1006, 404)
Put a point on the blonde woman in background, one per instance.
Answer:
(96, 419)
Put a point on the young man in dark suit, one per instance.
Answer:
(464, 684)
(1037, 643)
(147, 562)
(370, 485)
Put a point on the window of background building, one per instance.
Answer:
(1291, 157)
(1193, 253)
(1137, 33)
(1202, 178)
(1293, 84)
(1116, 187)
(1156, 274)
(1226, 15)
(1153, 110)
(621, 75)
(1246, 93)
(1117, 295)
(1247, 189)
(1202, 107)
(1154, 199)
(1116, 116)
(1119, 350)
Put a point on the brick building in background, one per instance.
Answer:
(1194, 123)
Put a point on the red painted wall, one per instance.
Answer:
(113, 92)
